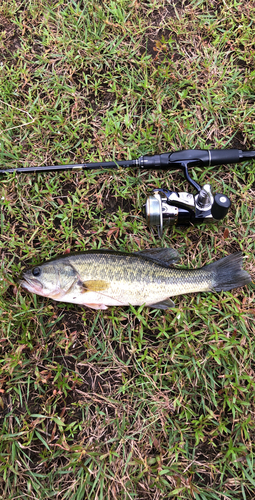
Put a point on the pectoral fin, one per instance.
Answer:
(164, 304)
(93, 285)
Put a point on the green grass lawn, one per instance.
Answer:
(128, 403)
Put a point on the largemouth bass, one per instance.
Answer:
(100, 278)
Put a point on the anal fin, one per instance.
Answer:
(163, 304)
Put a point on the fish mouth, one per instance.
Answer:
(31, 285)
(35, 286)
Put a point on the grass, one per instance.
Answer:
(127, 403)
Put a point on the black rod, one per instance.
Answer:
(76, 166)
(164, 161)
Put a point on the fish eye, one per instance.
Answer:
(36, 271)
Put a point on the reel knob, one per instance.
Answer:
(220, 206)
(204, 198)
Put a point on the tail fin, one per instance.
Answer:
(227, 273)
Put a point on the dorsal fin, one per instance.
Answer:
(163, 256)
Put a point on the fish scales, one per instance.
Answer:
(137, 270)
(103, 278)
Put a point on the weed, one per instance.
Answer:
(130, 402)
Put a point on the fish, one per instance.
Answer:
(102, 278)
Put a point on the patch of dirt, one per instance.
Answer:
(10, 38)
(112, 203)
(72, 322)
(238, 142)
(153, 42)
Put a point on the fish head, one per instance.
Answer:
(43, 280)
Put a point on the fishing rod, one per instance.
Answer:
(166, 208)
(164, 161)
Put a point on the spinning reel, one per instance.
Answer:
(166, 208)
